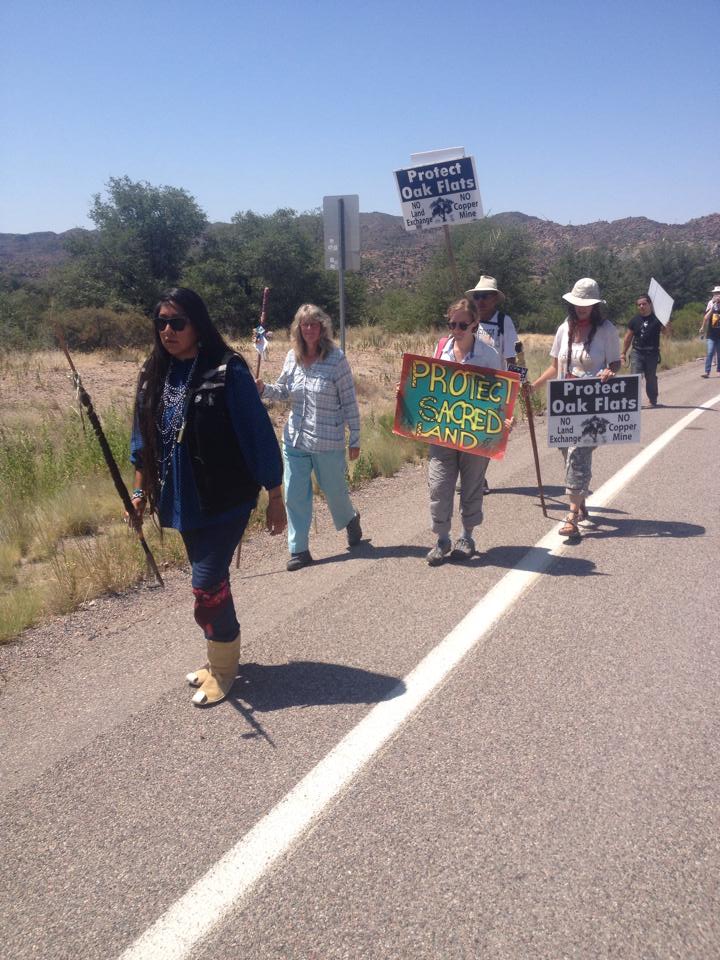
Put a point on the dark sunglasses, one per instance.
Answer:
(458, 325)
(482, 296)
(175, 323)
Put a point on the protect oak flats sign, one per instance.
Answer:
(438, 194)
(587, 412)
(455, 405)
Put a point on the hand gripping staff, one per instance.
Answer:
(112, 466)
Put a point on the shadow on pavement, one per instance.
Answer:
(304, 683)
(525, 558)
(310, 683)
(635, 527)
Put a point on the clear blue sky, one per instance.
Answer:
(574, 111)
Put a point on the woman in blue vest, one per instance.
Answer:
(203, 446)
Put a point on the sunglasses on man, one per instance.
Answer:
(175, 323)
(482, 295)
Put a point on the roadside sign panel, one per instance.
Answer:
(439, 194)
(332, 232)
(587, 413)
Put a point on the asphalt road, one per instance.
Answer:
(555, 796)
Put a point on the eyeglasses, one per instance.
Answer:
(457, 325)
(175, 323)
(310, 323)
(482, 296)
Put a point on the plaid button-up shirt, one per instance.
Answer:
(323, 402)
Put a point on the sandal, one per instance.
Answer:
(570, 527)
(584, 518)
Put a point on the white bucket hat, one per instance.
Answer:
(585, 293)
(715, 290)
(486, 285)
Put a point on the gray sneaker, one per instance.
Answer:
(299, 560)
(438, 553)
(354, 531)
(463, 548)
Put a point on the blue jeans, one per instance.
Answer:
(713, 347)
(329, 467)
(210, 551)
(645, 362)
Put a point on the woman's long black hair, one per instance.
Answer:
(212, 347)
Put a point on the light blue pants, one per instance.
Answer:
(329, 467)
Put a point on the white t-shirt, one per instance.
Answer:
(503, 342)
(604, 349)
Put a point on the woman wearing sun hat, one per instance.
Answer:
(585, 345)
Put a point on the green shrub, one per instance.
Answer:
(99, 328)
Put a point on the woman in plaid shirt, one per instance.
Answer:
(317, 380)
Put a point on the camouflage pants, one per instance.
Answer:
(578, 470)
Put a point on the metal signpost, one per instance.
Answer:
(341, 226)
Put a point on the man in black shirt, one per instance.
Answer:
(644, 331)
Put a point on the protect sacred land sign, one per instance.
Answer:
(438, 194)
(455, 405)
(587, 412)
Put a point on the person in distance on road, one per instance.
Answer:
(644, 330)
(711, 320)
(203, 446)
(317, 380)
(495, 325)
(585, 345)
(445, 464)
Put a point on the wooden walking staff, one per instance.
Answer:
(527, 397)
(112, 466)
(451, 259)
(260, 342)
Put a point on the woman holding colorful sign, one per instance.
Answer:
(317, 380)
(585, 345)
(445, 463)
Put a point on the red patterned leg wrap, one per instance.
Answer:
(210, 605)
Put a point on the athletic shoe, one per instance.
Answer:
(463, 548)
(438, 553)
(354, 531)
(299, 560)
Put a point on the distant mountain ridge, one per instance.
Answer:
(392, 257)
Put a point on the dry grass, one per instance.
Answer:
(66, 544)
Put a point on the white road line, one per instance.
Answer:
(205, 904)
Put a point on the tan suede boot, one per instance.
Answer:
(198, 677)
(223, 659)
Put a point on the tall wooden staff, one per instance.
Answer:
(260, 338)
(112, 466)
(260, 341)
(527, 397)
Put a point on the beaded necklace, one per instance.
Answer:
(171, 432)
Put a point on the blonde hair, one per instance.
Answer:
(308, 311)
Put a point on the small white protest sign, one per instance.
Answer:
(662, 302)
